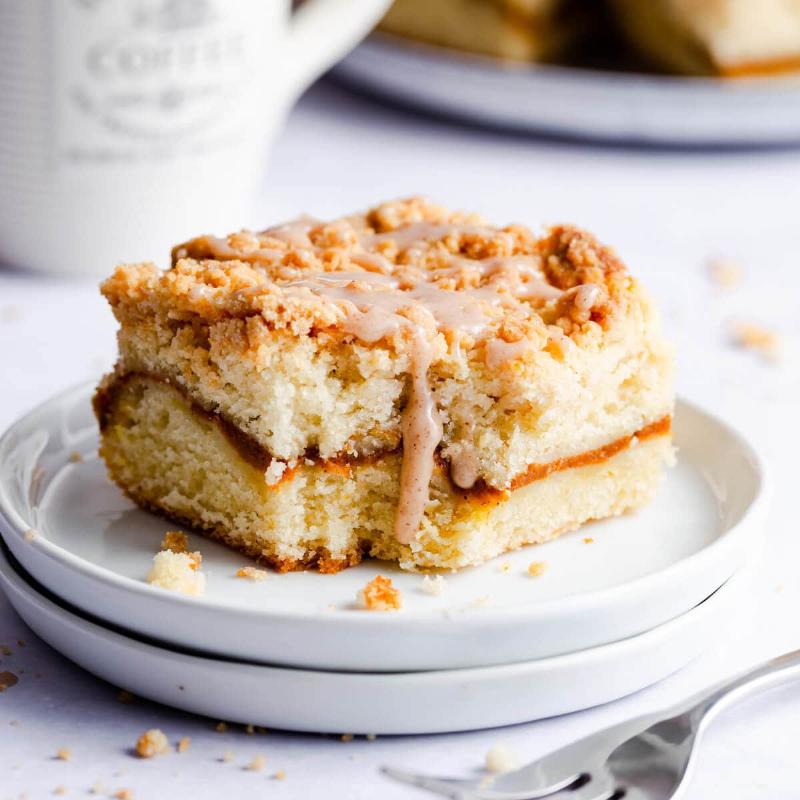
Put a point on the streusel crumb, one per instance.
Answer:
(752, 336)
(178, 572)
(183, 744)
(279, 775)
(251, 573)
(75, 457)
(64, 754)
(380, 595)
(536, 568)
(123, 794)
(433, 585)
(257, 764)
(500, 759)
(152, 743)
(177, 541)
(724, 273)
(30, 535)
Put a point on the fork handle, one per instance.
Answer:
(775, 672)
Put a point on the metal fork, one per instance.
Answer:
(647, 758)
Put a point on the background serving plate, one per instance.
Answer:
(377, 703)
(597, 104)
(93, 549)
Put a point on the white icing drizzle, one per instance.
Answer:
(464, 468)
(499, 352)
(422, 432)
(586, 296)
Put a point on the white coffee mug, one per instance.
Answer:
(128, 125)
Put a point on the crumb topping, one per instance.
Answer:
(178, 572)
(433, 585)
(152, 743)
(380, 595)
(177, 541)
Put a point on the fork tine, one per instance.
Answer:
(449, 787)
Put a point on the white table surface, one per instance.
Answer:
(667, 213)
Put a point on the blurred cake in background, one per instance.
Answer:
(715, 37)
(695, 37)
(527, 30)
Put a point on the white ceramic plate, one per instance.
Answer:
(94, 548)
(578, 102)
(381, 703)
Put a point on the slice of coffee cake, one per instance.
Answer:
(411, 384)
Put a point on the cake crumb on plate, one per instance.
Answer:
(257, 764)
(177, 572)
(63, 754)
(176, 541)
(433, 585)
(380, 595)
(756, 337)
(537, 568)
(251, 573)
(183, 744)
(725, 273)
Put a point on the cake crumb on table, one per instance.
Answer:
(176, 541)
(279, 775)
(537, 568)
(755, 337)
(257, 764)
(251, 573)
(152, 743)
(725, 273)
(63, 754)
(433, 585)
(183, 744)
(123, 794)
(380, 595)
(60, 790)
(500, 759)
(178, 572)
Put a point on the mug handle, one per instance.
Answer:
(323, 31)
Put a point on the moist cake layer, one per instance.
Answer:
(178, 460)
(410, 330)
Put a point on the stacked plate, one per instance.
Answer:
(620, 605)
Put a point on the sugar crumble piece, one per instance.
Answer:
(152, 743)
(177, 541)
(7, 680)
(279, 775)
(500, 759)
(751, 336)
(63, 754)
(178, 572)
(257, 764)
(537, 568)
(75, 457)
(125, 697)
(433, 585)
(30, 535)
(380, 595)
(251, 573)
(123, 794)
(588, 540)
(183, 744)
(724, 273)
(221, 727)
